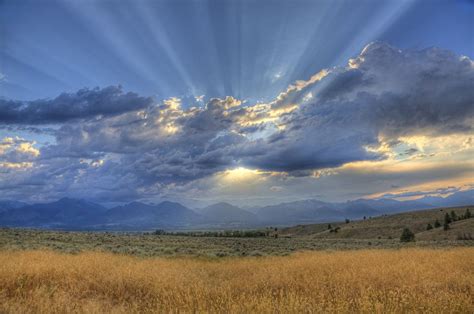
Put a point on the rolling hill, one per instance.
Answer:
(390, 226)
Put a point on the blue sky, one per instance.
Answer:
(282, 60)
(248, 49)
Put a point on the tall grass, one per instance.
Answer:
(384, 281)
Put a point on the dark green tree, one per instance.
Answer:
(429, 227)
(437, 224)
(467, 215)
(447, 219)
(454, 217)
(407, 236)
(329, 227)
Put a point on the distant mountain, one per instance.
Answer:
(224, 213)
(7, 204)
(299, 212)
(138, 215)
(68, 213)
(374, 207)
(461, 198)
(65, 212)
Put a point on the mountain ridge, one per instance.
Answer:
(69, 213)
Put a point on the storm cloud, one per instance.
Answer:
(85, 103)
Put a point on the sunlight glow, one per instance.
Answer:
(239, 174)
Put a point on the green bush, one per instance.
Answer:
(407, 236)
(446, 226)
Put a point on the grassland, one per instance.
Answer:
(380, 232)
(147, 245)
(368, 281)
(361, 268)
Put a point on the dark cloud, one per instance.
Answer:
(84, 104)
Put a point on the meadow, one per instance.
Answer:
(365, 281)
(150, 245)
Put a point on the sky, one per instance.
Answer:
(251, 102)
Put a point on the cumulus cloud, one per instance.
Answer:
(115, 144)
(17, 153)
(383, 94)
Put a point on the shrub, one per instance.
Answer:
(347, 221)
(465, 236)
(407, 236)
(467, 215)
(437, 224)
(429, 227)
(329, 227)
(446, 226)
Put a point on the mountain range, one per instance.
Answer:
(77, 214)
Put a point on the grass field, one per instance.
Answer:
(148, 245)
(362, 268)
(381, 281)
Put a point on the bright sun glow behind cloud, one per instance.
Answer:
(239, 175)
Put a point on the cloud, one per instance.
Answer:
(84, 104)
(383, 94)
(17, 153)
(111, 144)
(418, 194)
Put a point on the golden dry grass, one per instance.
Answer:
(383, 281)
